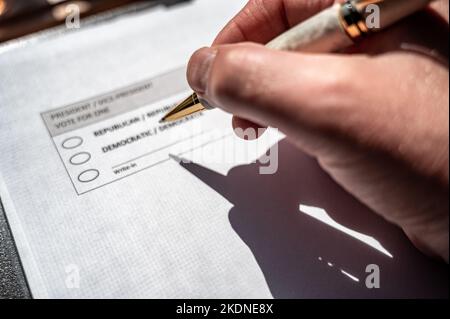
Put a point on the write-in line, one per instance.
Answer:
(160, 149)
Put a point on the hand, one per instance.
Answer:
(377, 118)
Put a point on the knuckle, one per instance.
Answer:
(337, 83)
(333, 97)
(340, 87)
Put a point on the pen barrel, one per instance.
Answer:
(341, 25)
(320, 33)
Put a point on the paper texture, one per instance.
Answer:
(98, 209)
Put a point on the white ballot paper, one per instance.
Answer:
(100, 205)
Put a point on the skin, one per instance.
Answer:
(376, 117)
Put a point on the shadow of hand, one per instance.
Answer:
(301, 257)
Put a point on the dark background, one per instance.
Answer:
(22, 17)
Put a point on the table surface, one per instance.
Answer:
(13, 284)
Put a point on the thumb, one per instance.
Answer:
(296, 93)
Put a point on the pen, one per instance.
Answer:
(331, 30)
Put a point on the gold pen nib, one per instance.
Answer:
(189, 106)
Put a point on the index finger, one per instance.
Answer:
(262, 20)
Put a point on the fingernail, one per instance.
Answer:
(206, 104)
(199, 69)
